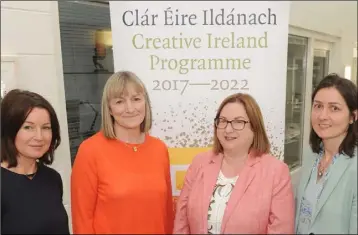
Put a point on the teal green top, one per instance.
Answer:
(335, 211)
(312, 195)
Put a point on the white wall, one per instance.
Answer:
(334, 18)
(30, 31)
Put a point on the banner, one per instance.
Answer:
(191, 55)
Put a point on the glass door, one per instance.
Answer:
(321, 59)
(320, 66)
(295, 94)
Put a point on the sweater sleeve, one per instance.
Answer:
(84, 190)
(170, 213)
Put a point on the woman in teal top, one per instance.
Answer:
(326, 201)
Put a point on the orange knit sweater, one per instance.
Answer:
(117, 190)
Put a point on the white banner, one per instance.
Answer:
(191, 55)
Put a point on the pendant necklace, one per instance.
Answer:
(322, 167)
(30, 176)
(135, 148)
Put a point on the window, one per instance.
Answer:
(295, 95)
(87, 63)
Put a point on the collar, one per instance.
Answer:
(252, 158)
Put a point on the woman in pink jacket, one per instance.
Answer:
(238, 187)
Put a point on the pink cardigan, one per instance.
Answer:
(262, 201)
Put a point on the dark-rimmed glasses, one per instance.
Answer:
(221, 123)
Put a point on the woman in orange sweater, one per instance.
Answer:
(120, 180)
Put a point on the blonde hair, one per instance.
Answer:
(260, 144)
(115, 87)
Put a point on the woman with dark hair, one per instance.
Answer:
(31, 192)
(327, 195)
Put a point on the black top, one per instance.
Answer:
(32, 206)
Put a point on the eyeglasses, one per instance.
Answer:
(238, 125)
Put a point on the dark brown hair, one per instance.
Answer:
(260, 143)
(348, 91)
(15, 107)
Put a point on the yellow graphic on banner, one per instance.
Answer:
(184, 156)
(180, 159)
(179, 179)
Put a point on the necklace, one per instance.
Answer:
(322, 167)
(135, 148)
(31, 176)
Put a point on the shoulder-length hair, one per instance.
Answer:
(116, 86)
(348, 91)
(260, 144)
(15, 108)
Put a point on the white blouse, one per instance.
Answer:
(221, 194)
